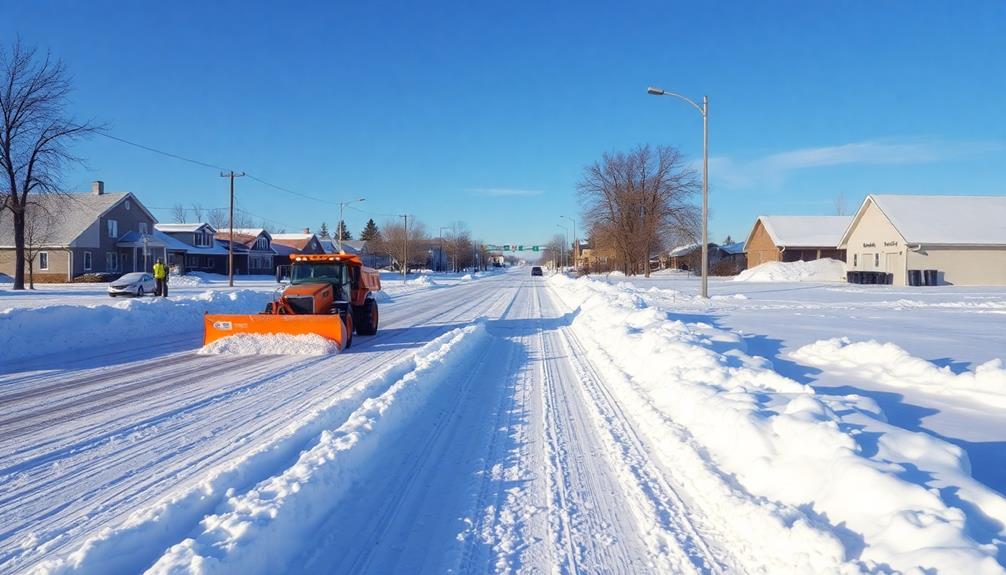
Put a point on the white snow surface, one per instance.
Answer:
(511, 425)
(805, 475)
(273, 344)
(889, 364)
(955, 220)
(822, 270)
(806, 231)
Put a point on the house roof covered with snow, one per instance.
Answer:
(72, 214)
(804, 231)
(182, 228)
(942, 220)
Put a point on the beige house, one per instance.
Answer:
(795, 238)
(961, 239)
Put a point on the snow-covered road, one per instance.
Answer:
(505, 424)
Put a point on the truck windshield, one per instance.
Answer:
(302, 273)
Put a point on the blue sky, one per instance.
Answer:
(487, 112)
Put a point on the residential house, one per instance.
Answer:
(193, 248)
(286, 245)
(253, 252)
(960, 240)
(795, 238)
(362, 248)
(88, 233)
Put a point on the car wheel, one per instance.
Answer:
(139, 291)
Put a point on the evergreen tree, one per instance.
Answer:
(323, 232)
(370, 232)
(343, 233)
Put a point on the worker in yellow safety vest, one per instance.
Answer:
(161, 277)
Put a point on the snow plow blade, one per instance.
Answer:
(327, 326)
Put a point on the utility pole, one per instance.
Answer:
(405, 262)
(342, 223)
(230, 240)
(440, 260)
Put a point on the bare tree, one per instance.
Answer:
(35, 133)
(217, 217)
(197, 212)
(634, 201)
(178, 213)
(459, 246)
(40, 226)
(555, 251)
(393, 241)
(840, 208)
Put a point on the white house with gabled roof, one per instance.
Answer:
(962, 238)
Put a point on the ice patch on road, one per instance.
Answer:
(823, 270)
(271, 344)
(891, 365)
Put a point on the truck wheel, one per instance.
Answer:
(366, 317)
(348, 322)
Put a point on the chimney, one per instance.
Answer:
(307, 230)
(97, 187)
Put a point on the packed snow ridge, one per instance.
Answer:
(272, 344)
(784, 469)
(822, 270)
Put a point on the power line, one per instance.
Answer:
(355, 209)
(163, 153)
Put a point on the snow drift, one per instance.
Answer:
(890, 365)
(32, 332)
(784, 468)
(823, 270)
(274, 344)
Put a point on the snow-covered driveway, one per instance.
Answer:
(505, 424)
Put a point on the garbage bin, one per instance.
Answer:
(915, 277)
(931, 277)
(852, 277)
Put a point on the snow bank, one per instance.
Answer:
(254, 532)
(31, 332)
(823, 270)
(275, 344)
(891, 365)
(421, 281)
(249, 514)
(784, 469)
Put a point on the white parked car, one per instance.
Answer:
(135, 284)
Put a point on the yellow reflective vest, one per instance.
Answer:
(160, 271)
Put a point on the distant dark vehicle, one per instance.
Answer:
(536, 271)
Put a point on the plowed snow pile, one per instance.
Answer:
(786, 469)
(271, 344)
(824, 270)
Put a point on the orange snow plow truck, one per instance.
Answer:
(329, 295)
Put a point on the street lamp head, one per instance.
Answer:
(655, 91)
(360, 199)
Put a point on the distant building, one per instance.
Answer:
(725, 260)
(193, 248)
(90, 233)
(960, 239)
(795, 238)
(362, 248)
(286, 245)
(253, 253)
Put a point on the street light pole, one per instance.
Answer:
(440, 260)
(405, 262)
(704, 110)
(565, 240)
(576, 244)
(342, 222)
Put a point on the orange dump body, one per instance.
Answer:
(305, 308)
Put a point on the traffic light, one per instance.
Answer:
(534, 248)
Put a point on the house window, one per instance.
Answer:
(192, 261)
(876, 260)
(211, 263)
(113, 228)
(128, 205)
(143, 227)
(203, 240)
(855, 260)
(43, 260)
(262, 244)
(87, 261)
(111, 262)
